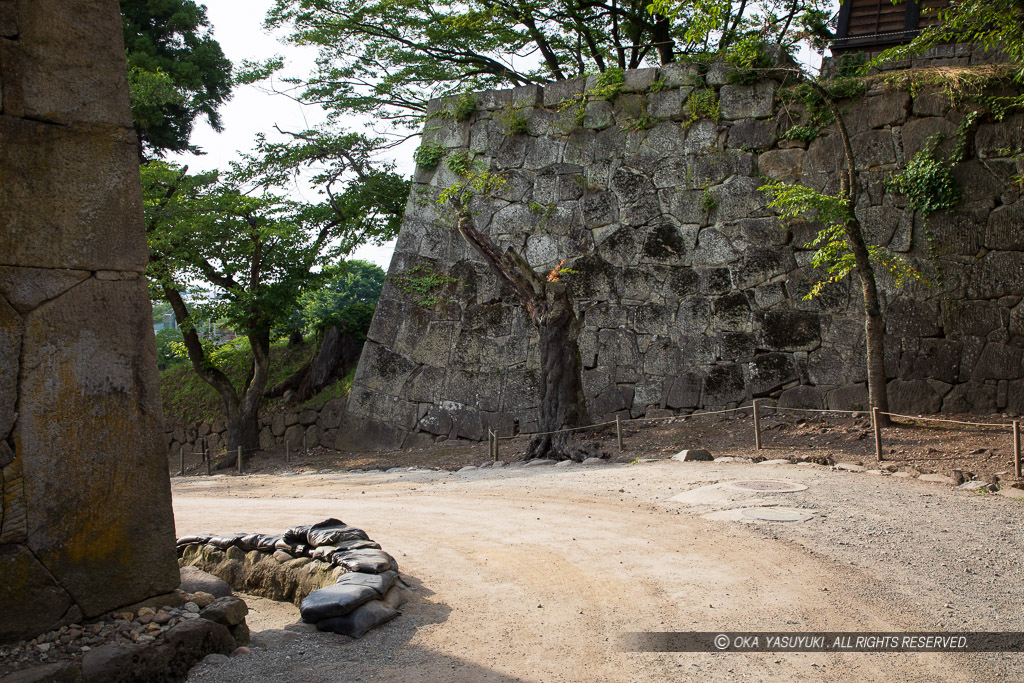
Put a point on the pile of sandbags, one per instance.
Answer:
(365, 596)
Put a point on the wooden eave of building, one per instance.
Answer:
(872, 25)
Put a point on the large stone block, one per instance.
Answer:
(96, 486)
(30, 600)
(68, 64)
(10, 353)
(70, 199)
(747, 101)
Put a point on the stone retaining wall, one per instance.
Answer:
(318, 425)
(85, 509)
(688, 287)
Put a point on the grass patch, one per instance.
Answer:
(189, 399)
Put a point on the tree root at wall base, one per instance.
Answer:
(563, 447)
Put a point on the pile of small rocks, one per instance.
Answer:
(91, 651)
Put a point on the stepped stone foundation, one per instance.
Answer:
(85, 514)
(689, 289)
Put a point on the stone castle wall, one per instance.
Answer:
(85, 512)
(690, 290)
(298, 427)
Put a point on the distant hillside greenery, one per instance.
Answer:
(347, 300)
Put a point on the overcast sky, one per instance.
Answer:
(238, 27)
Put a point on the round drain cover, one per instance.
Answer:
(776, 515)
(766, 486)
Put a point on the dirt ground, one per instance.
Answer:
(532, 573)
(919, 446)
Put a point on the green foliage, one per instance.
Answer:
(461, 109)
(429, 155)
(927, 182)
(639, 124)
(177, 72)
(817, 115)
(608, 85)
(803, 133)
(187, 398)
(460, 163)
(389, 58)
(482, 182)
(831, 245)
(702, 104)
(514, 121)
(349, 290)
(708, 201)
(657, 86)
(420, 284)
(169, 349)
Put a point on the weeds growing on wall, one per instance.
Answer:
(461, 109)
(702, 104)
(514, 121)
(460, 163)
(421, 283)
(428, 155)
(927, 181)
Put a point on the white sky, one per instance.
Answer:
(238, 27)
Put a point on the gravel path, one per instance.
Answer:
(531, 573)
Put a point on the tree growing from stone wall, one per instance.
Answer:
(841, 246)
(548, 302)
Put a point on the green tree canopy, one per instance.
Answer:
(354, 288)
(177, 72)
(390, 58)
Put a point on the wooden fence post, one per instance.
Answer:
(495, 446)
(878, 434)
(239, 459)
(181, 457)
(618, 431)
(757, 427)
(1016, 448)
(206, 456)
(287, 455)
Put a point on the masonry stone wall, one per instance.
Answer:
(689, 288)
(85, 514)
(308, 427)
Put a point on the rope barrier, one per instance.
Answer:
(939, 419)
(750, 407)
(817, 410)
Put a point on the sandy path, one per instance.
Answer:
(532, 574)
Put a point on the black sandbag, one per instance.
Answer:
(296, 549)
(359, 621)
(334, 601)
(367, 561)
(356, 544)
(381, 583)
(199, 539)
(267, 543)
(226, 541)
(332, 532)
(297, 535)
(248, 542)
(323, 553)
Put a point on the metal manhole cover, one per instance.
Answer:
(766, 486)
(776, 515)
